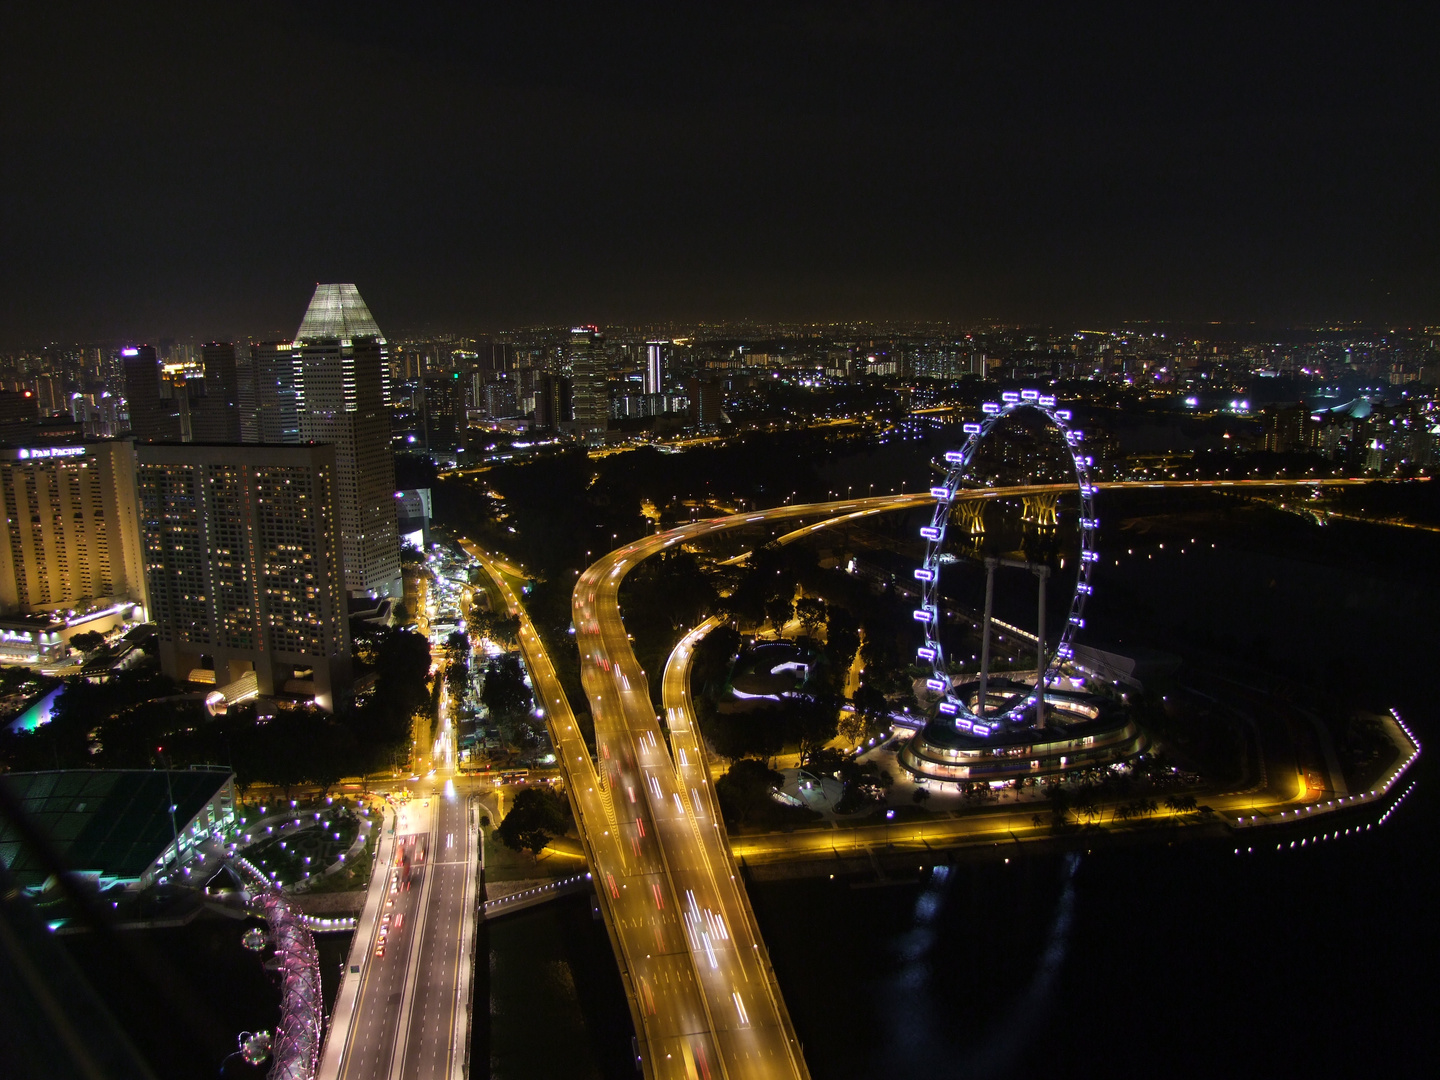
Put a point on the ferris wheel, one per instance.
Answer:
(979, 720)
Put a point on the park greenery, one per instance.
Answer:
(852, 615)
(801, 724)
(502, 629)
(457, 668)
(745, 800)
(838, 619)
(304, 853)
(87, 641)
(536, 817)
(19, 687)
(662, 599)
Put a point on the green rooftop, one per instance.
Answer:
(110, 823)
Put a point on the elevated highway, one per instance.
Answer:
(697, 975)
(646, 927)
(721, 1013)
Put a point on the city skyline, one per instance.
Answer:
(922, 161)
(644, 332)
(792, 539)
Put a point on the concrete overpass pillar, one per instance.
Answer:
(1042, 574)
(990, 565)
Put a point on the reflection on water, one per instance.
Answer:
(918, 1033)
(1001, 1048)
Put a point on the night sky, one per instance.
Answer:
(192, 169)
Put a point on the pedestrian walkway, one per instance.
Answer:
(338, 1031)
(537, 894)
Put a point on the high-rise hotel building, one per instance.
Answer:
(342, 397)
(72, 539)
(241, 546)
(70, 560)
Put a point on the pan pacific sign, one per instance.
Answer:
(51, 452)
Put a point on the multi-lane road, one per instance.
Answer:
(438, 987)
(363, 1048)
(410, 1015)
(700, 989)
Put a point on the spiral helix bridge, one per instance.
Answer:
(295, 1046)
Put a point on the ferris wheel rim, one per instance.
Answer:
(951, 706)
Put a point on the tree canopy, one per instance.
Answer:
(500, 628)
(745, 800)
(88, 641)
(537, 815)
(505, 693)
(457, 646)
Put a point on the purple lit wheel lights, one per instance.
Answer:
(928, 613)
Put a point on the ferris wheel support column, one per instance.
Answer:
(990, 565)
(1042, 574)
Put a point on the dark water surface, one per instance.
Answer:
(183, 995)
(1148, 961)
(1153, 960)
(556, 1005)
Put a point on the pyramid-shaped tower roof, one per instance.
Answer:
(337, 311)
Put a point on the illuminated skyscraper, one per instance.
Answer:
(589, 385)
(267, 384)
(240, 552)
(342, 397)
(73, 539)
(442, 402)
(501, 400)
(654, 367)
